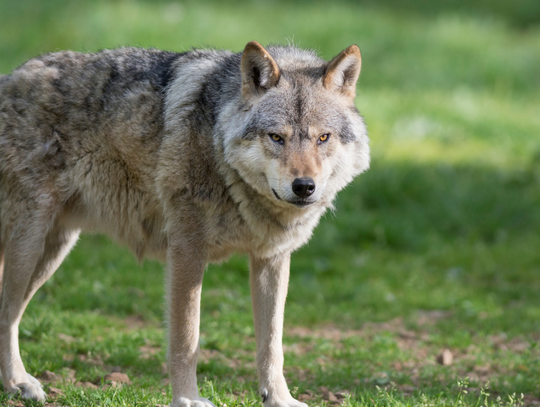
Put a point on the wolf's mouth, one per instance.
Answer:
(301, 203)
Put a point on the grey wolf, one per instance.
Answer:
(186, 157)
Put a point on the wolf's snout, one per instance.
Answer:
(303, 187)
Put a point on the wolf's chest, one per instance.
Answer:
(230, 231)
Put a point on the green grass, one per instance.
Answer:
(436, 246)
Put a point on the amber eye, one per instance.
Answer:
(276, 138)
(324, 138)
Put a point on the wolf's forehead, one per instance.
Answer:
(301, 106)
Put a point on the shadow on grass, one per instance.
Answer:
(405, 206)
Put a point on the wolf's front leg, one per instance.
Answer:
(269, 281)
(186, 263)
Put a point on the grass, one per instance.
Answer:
(435, 247)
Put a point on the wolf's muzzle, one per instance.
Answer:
(303, 187)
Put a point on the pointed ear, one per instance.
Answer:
(259, 70)
(342, 72)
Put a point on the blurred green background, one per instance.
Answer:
(447, 218)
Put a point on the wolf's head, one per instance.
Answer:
(297, 137)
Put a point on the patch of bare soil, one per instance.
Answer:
(66, 375)
(332, 398)
(136, 322)
(209, 355)
(149, 351)
(396, 325)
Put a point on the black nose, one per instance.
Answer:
(303, 187)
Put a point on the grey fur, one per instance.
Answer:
(170, 154)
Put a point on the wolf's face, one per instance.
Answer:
(301, 139)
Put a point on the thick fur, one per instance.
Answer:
(174, 155)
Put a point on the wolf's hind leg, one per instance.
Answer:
(58, 244)
(32, 254)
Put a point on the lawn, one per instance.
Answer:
(436, 247)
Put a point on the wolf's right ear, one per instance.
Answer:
(259, 70)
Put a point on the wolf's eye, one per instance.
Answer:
(324, 138)
(276, 138)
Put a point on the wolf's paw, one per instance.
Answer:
(32, 390)
(196, 402)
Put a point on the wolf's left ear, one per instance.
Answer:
(259, 70)
(342, 72)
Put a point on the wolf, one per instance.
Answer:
(185, 157)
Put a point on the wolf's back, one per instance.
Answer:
(112, 97)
